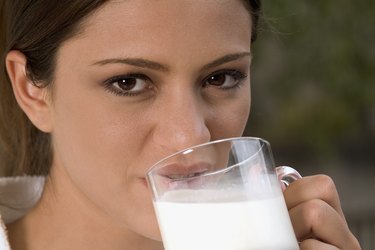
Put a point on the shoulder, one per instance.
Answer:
(17, 196)
(4, 244)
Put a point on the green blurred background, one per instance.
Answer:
(313, 96)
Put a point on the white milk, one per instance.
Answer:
(241, 225)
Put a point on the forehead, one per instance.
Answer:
(196, 11)
(154, 26)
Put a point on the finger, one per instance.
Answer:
(312, 244)
(317, 219)
(313, 187)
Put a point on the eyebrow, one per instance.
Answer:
(144, 63)
(139, 62)
(226, 59)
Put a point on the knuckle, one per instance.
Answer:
(354, 244)
(326, 186)
(309, 244)
(315, 211)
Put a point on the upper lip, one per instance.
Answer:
(176, 171)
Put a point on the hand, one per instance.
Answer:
(316, 214)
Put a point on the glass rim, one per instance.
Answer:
(192, 148)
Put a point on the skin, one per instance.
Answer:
(104, 142)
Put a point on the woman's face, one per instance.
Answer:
(142, 80)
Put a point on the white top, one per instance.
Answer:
(17, 196)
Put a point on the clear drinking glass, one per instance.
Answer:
(222, 195)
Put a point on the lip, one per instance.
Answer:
(178, 171)
(176, 176)
(144, 181)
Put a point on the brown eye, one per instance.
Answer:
(225, 79)
(128, 85)
(217, 80)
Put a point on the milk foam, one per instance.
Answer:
(240, 225)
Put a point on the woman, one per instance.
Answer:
(109, 88)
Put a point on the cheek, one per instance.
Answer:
(229, 119)
(98, 145)
(95, 141)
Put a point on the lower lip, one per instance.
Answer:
(144, 182)
(198, 168)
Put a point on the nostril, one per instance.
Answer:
(173, 141)
(181, 124)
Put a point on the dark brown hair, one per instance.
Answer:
(254, 7)
(37, 28)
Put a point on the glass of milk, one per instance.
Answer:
(222, 195)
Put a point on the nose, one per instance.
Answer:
(181, 121)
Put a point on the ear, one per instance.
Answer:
(33, 100)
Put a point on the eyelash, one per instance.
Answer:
(108, 84)
(237, 76)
